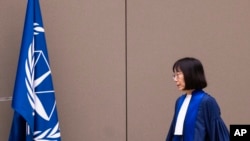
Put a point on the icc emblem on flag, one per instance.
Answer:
(40, 88)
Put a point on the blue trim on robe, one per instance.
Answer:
(202, 121)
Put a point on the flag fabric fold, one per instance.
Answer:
(34, 104)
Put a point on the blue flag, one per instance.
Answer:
(35, 115)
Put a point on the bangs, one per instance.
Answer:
(177, 67)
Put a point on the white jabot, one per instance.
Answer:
(182, 115)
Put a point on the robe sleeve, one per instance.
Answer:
(215, 126)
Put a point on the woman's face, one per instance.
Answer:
(179, 80)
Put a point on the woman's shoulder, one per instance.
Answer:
(209, 99)
(209, 103)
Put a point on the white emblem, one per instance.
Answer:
(32, 82)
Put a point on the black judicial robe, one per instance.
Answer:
(202, 121)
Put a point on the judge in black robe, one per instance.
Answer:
(198, 119)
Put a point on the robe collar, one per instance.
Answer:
(191, 115)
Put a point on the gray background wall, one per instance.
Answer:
(111, 62)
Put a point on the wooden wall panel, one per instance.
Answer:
(86, 40)
(159, 33)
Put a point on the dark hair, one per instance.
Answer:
(193, 72)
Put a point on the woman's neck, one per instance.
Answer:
(189, 91)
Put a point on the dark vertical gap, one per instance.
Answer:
(126, 70)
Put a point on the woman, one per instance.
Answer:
(197, 114)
